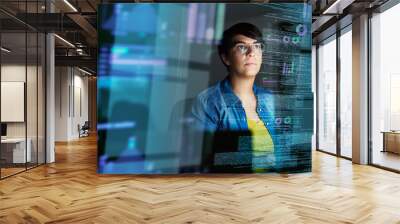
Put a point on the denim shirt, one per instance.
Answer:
(219, 109)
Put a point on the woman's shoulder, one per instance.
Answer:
(211, 94)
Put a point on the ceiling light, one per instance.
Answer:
(65, 41)
(338, 6)
(70, 5)
(326, 11)
(5, 49)
(86, 72)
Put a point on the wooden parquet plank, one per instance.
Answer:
(70, 191)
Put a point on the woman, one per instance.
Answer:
(236, 103)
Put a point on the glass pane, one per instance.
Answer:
(327, 96)
(31, 85)
(152, 115)
(13, 87)
(386, 89)
(31, 100)
(346, 94)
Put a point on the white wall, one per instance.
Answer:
(71, 93)
(61, 103)
(12, 73)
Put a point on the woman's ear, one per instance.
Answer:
(225, 59)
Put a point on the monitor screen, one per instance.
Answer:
(204, 88)
(3, 129)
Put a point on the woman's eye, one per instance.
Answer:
(242, 47)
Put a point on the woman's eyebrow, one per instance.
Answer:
(242, 42)
(238, 42)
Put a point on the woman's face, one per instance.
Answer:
(245, 57)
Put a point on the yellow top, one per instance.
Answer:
(262, 146)
(261, 138)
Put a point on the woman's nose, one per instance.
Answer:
(250, 51)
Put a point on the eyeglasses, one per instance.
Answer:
(244, 48)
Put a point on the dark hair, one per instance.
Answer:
(245, 29)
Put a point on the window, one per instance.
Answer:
(327, 95)
(346, 92)
(385, 88)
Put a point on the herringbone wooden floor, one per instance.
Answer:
(70, 191)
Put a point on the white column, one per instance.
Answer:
(50, 93)
(50, 100)
(360, 90)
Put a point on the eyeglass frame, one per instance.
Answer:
(252, 46)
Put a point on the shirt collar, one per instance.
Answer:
(229, 96)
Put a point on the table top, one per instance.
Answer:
(13, 140)
(391, 132)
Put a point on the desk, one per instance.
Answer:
(391, 141)
(18, 150)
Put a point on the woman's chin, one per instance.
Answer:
(251, 73)
(248, 76)
(248, 73)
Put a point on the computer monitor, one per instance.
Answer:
(3, 129)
